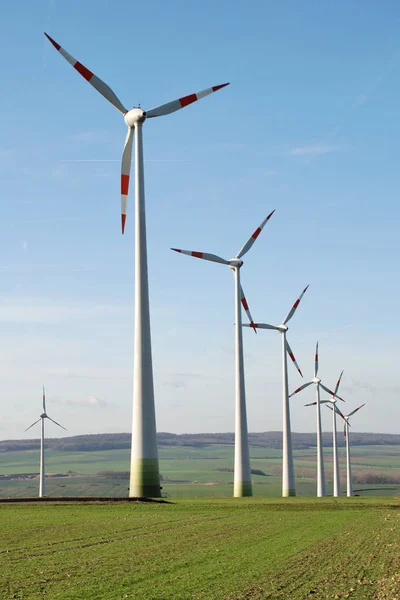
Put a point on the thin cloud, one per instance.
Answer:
(175, 384)
(91, 402)
(118, 160)
(313, 150)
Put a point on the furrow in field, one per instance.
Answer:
(113, 537)
(362, 563)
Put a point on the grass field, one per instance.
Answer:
(249, 549)
(193, 472)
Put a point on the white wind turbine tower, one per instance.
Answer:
(242, 471)
(288, 479)
(321, 491)
(347, 436)
(144, 473)
(43, 416)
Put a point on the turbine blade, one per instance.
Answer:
(44, 401)
(33, 424)
(170, 107)
(262, 326)
(339, 412)
(203, 255)
(330, 392)
(289, 351)
(302, 387)
(355, 410)
(125, 174)
(97, 83)
(253, 237)
(311, 404)
(62, 427)
(294, 307)
(338, 382)
(246, 308)
(316, 361)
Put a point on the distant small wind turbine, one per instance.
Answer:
(321, 491)
(347, 436)
(43, 416)
(336, 475)
(288, 479)
(242, 472)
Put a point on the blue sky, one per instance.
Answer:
(309, 126)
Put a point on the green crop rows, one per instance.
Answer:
(249, 549)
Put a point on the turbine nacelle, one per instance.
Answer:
(134, 116)
(43, 416)
(316, 380)
(235, 263)
(282, 328)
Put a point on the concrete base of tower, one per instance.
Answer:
(242, 488)
(145, 478)
(288, 493)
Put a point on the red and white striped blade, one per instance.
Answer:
(294, 307)
(330, 392)
(203, 255)
(338, 382)
(262, 326)
(253, 237)
(289, 351)
(246, 308)
(339, 412)
(355, 410)
(316, 361)
(311, 404)
(170, 107)
(97, 83)
(125, 174)
(302, 387)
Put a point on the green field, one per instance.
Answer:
(249, 549)
(190, 472)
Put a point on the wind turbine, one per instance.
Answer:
(347, 436)
(242, 472)
(336, 476)
(288, 479)
(321, 491)
(43, 416)
(144, 473)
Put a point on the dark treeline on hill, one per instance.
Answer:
(268, 439)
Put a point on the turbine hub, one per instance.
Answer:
(235, 263)
(134, 116)
(43, 416)
(316, 380)
(283, 328)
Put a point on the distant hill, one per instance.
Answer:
(267, 439)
